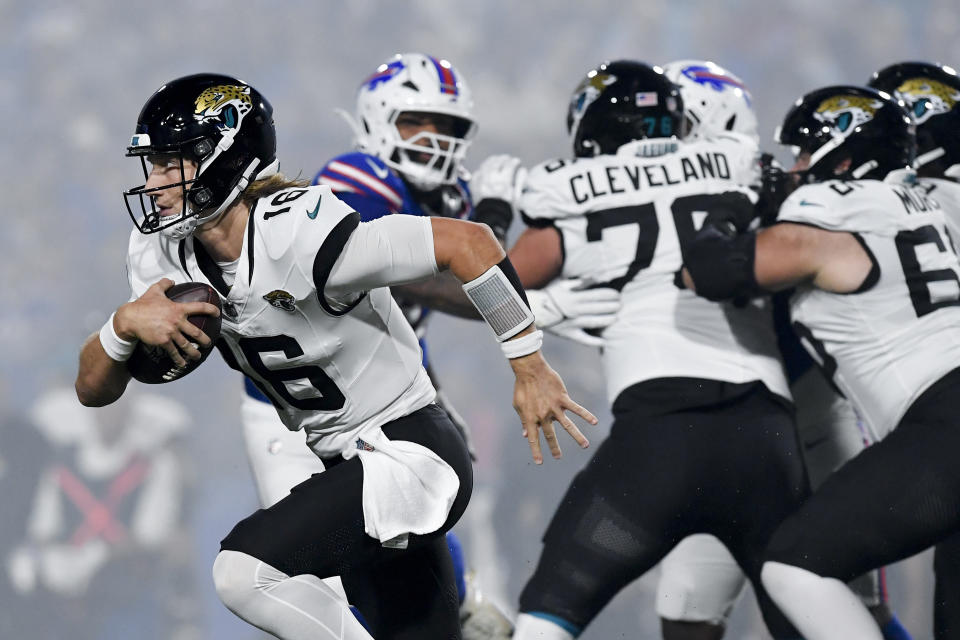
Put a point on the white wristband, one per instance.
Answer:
(116, 347)
(499, 304)
(522, 346)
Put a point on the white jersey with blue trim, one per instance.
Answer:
(624, 220)
(334, 367)
(886, 343)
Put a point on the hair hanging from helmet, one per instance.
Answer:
(259, 189)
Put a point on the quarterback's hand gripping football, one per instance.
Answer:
(565, 308)
(540, 398)
(156, 320)
(499, 177)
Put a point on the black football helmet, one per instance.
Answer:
(622, 101)
(220, 123)
(835, 124)
(932, 94)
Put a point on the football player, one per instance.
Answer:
(932, 95)
(413, 124)
(334, 355)
(877, 284)
(700, 581)
(703, 436)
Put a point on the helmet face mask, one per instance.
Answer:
(413, 85)
(715, 100)
(216, 124)
(620, 102)
(932, 94)
(849, 133)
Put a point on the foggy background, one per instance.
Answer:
(112, 551)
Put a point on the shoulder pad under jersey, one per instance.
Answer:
(544, 195)
(298, 228)
(868, 206)
(741, 151)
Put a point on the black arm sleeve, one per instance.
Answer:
(496, 214)
(721, 263)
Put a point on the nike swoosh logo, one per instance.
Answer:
(380, 172)
(313, 214)
(804, 203)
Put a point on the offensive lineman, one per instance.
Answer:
(700, 581)
(694, 386)
(876, 303)
(338, 360)
(932, 95)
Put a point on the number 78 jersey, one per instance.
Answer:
(886, 343)
(625, 221)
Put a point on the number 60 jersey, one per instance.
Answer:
(886, 343)
(625, 220)
(335, 366)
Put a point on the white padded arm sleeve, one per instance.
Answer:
(394, 249)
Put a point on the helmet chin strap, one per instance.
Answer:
(864, 169)
(188, 225)
(929, 157)
(818, 155)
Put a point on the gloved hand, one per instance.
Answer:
(499, 177)
(495, 187)
(566, 309)
(774, 189)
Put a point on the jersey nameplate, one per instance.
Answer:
(614, 179)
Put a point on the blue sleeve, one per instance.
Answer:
(369, 207)
(366, 184)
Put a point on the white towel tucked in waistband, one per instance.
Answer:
(407, 488)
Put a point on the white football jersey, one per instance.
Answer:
(947, 193)
(624, 220)
(884, 344)
(332, 367)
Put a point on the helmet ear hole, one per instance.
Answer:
(731, 123)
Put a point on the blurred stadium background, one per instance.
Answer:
(73, 76)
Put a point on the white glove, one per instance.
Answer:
(565, 308)
(501, 177)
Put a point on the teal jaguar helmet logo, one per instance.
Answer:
(844, 113)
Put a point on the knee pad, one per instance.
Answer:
(235, 577)
(699, 581)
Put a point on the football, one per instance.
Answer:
(153, 365)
